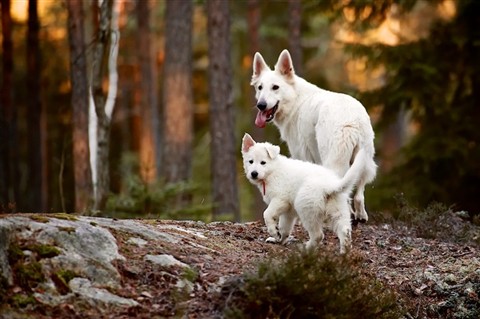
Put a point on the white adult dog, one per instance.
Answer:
(319, 126)
(294, 188)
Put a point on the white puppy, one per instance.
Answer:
(292, 187)
(319, 126)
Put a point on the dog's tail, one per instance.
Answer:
(354, 173)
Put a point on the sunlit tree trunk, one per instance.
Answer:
(253, 20)
(37, 161)
(294, 36)
(177, 92)
(222, 122)
(79, 79)
(104, 58)
(148, 148)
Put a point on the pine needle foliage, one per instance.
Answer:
(436, 81)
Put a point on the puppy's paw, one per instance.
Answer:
(271, 240)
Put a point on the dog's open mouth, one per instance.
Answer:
(265, 116)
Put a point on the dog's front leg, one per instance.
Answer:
(271, 216)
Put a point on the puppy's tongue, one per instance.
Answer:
(261, 119)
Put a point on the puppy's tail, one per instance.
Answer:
(354, 173)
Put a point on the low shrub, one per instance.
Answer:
(309, 285)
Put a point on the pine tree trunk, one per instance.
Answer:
(150, 131)
(253, 20)
(78, 66)
(177, 92)
(9, 153)
(222, 123)
(37, 147)
(294, 36)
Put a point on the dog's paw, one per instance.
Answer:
(290, 240)
(274, 232)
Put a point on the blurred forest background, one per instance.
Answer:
(129, 108)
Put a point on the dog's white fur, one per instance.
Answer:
(319, 126)
(292, 187)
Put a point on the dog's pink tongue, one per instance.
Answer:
(261, 119)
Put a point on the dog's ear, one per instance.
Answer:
(247, 142)
(285, 65)
(273, 151)
(259, 65)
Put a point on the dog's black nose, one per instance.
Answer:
(254, 174)
(261, 106)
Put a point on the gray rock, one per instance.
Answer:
(165, 260)
(84, 288)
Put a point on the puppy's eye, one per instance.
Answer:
(250, 161)
(275, 87)
(263, 163)
(260, 87)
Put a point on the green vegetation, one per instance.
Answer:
(61, 279)
(67, 229)
(22, 301)
(435, 221)
(43, 251)
(157, 200)
(15, 253)
(435, 81)
(64, 216)
(28, 275)
(309, 285)
(39, 218)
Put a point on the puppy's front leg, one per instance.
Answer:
(271, 216)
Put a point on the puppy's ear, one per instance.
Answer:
(273, 151)
(259, 66)
(285, 65)
(247, 142)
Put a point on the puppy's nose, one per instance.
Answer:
(261, 105)
(254, 174)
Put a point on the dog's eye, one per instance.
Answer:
(263, 163)
(275, 87)
(250, 161)
(260, 87)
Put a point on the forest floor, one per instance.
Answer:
(433, 277)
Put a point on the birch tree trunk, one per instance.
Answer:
(177, 92)
(79, 79)
(104, 57)
(222, 123)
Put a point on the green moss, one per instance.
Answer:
(61, 279)
(22, 301)
(66, 275)
(64, 216)
(3, 288)
(15, 253)
(189, 274)
(40, 218)
(93, 224)
(67, 229)
(28, 275)
(44, 251)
